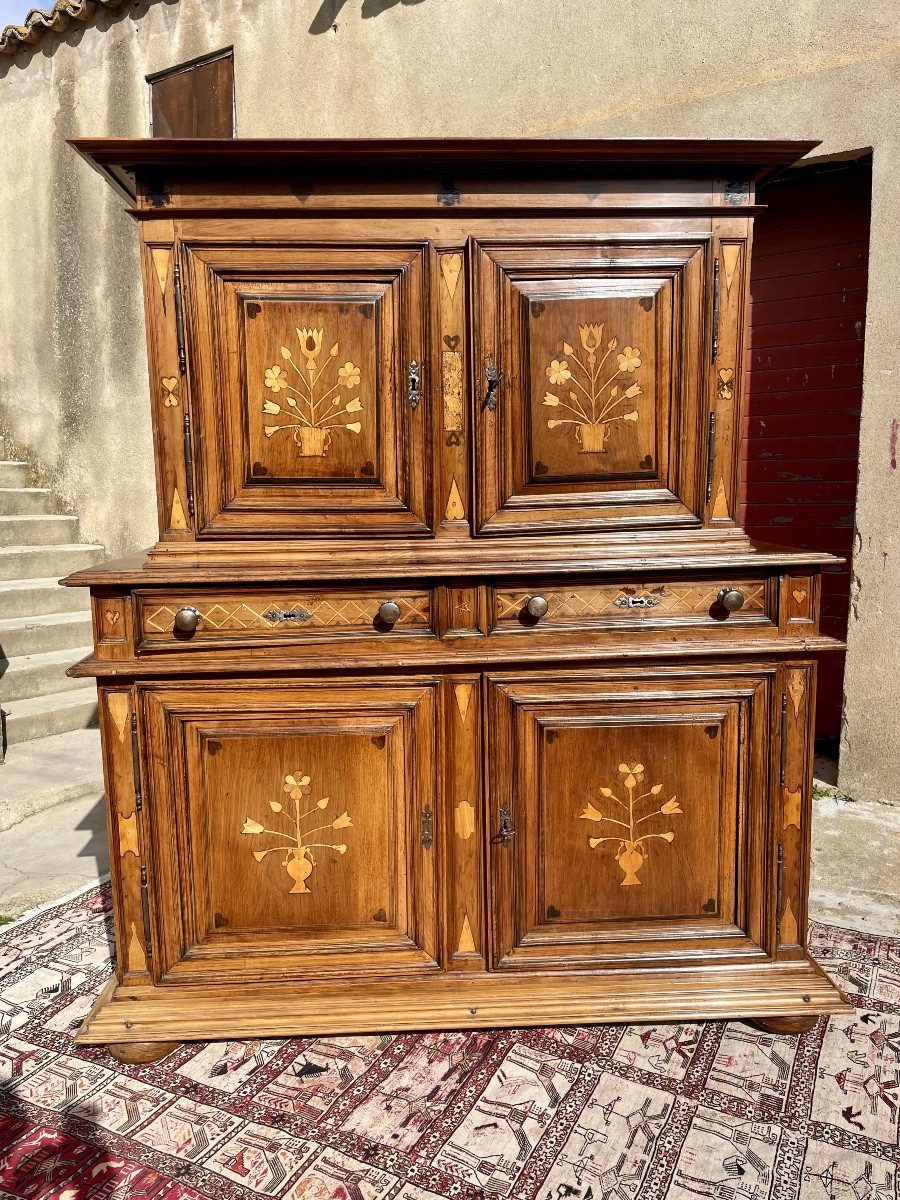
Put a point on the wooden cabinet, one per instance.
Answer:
(452, 693)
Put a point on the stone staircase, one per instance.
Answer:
(44, 628)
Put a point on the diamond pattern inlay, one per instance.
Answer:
(334, 612)
(673, 601)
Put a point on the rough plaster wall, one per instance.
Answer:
(72, 368)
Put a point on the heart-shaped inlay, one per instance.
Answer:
(451, 340)
(726, 375)
(799, 595)
(112, 616)
(170, 384)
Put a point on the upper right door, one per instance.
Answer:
(589, 363)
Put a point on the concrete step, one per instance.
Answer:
(33, 597)
(49, 771)
(35, 562)
(39, 674)
(18, 502)
(13, 474)
(37, 635)
(38, 531)
(57, 712)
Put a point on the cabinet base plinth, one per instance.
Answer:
(801, 1024)
(774, 992)
(132, 1053)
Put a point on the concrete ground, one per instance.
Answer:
(855, 858)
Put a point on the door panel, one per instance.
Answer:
(595, 419)
(292, 841)
(638, 810)
(304, 423)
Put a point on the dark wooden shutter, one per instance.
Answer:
(804, 393)
(195, 99)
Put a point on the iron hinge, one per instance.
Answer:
(784, 736)
(179, 320)
(145, 909)
(427, 827)
(715, 313)
(710, 455)
(188, 464)
(779, 888)
(136, 763)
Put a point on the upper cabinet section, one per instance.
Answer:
(448, 340)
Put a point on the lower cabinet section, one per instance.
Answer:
(441, 851)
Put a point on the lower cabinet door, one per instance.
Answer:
(291, 829)
(630, 818)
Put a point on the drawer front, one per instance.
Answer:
(654, 603)
(282, 615)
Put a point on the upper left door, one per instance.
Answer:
(307, 385)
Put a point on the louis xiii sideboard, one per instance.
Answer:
(452, 694)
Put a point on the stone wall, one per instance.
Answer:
(73, 390)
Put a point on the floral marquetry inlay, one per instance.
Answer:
(299, 859)
(317, 397)
(631, 845)
(596, 386)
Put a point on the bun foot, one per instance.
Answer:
(133, 1053)
(784, 1024)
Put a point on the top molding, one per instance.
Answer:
(121, 160)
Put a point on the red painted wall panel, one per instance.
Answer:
(804, 381)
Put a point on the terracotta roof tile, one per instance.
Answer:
(39, 21)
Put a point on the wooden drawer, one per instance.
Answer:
(647, 605)
(235, 618)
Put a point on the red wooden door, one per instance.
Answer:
(804, 386)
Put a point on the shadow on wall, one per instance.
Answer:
(330, 10)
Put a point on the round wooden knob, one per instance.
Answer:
(187, 619)
(389, 612)
(731, 599)
(537, 607)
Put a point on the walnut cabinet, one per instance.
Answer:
(452, 692)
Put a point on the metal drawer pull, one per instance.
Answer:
(286, 614)
(389, 612)
(537, 607)
(187, 619)
(636, 602)
(731, 599)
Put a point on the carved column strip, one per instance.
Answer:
(451, 408)
(464, 921)
(168, 383)
(726, 386)
(124, 819)
(795, 712)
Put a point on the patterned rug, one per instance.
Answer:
(598, 1113)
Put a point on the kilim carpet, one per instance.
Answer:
(598, 1113)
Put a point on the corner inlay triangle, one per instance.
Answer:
(463, 693)
(117, 703)
(451, 265)
(730, 256)
(162, 257)
(177, 520)
(466, 941)
(720, 508)
(454, 510)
